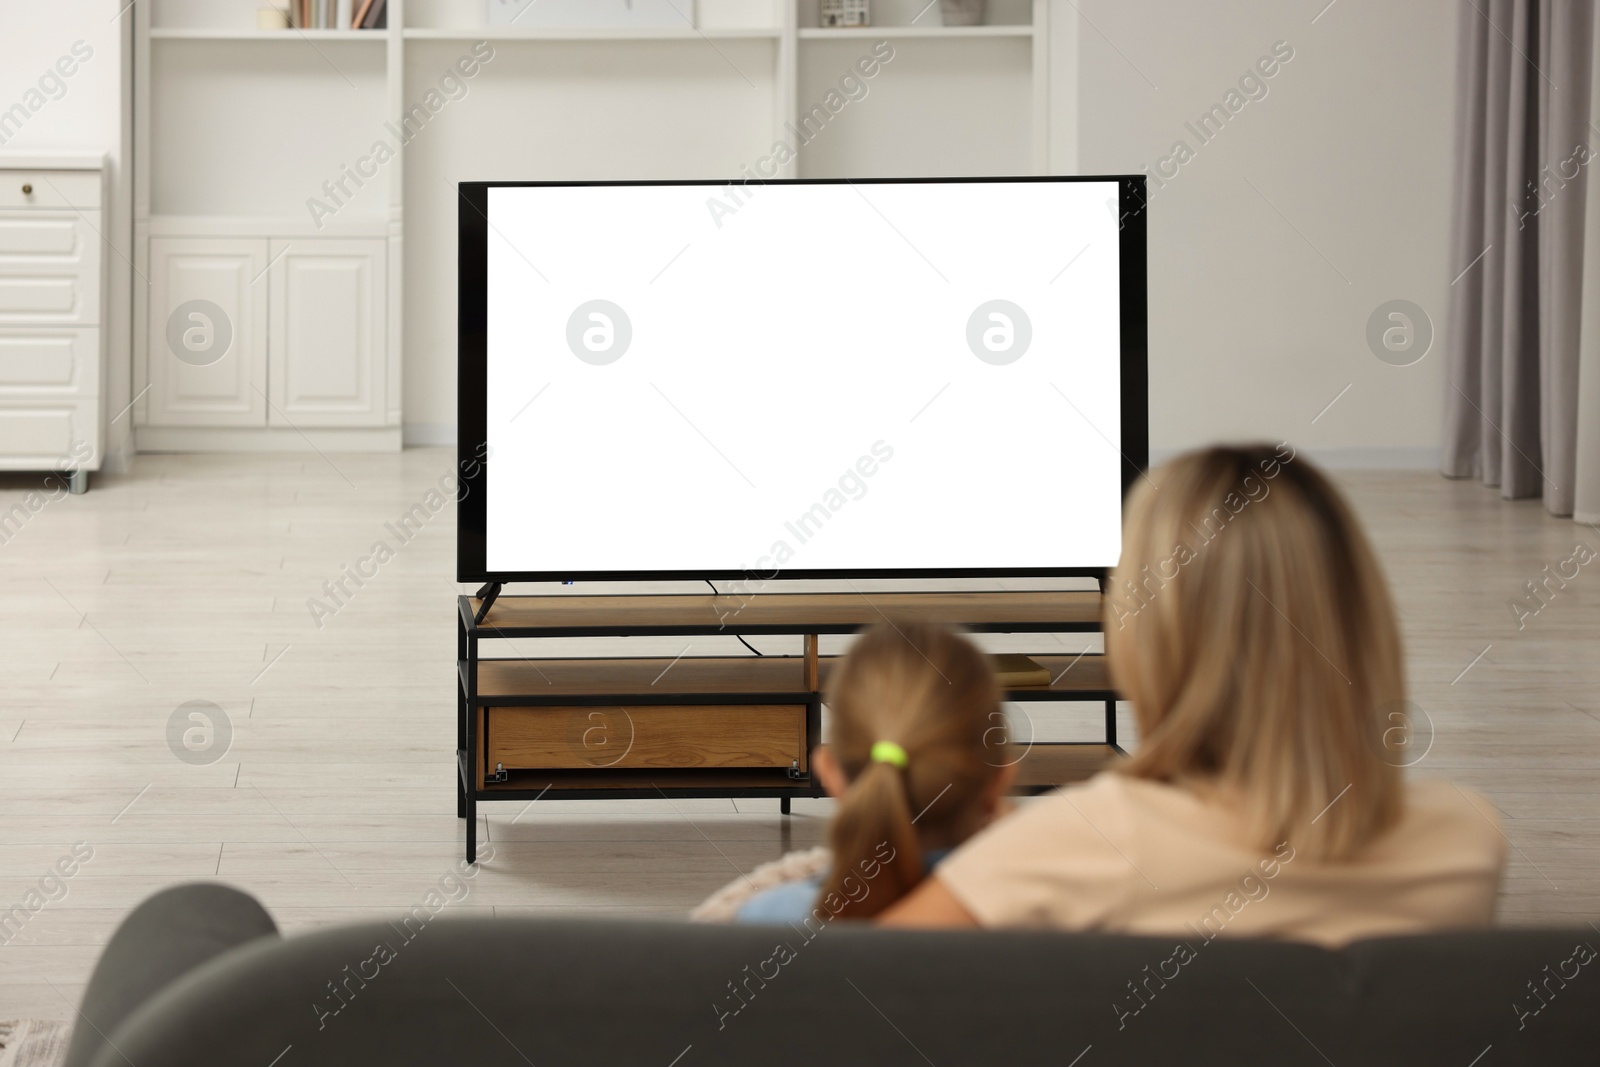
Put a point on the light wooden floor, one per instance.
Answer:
(335, 801)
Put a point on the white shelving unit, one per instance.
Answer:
(265, 36)
(502, 33)
(293, 313)
(947, 32)
(241, 133)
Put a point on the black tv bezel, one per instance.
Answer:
(472, 382)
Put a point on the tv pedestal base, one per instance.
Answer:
(532, 729)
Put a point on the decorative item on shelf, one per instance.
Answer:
(963, 12)
(370, 15)
(272, 18)
(327, 15)
(592, 14)
(1013, 671)
(838, 14)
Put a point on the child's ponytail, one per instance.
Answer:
(912, 706)
(877, 859)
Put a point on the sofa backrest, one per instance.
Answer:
(570, 993)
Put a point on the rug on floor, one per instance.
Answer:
(33, 1042)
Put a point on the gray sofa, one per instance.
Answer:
(568, 993)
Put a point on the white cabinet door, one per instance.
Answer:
(207, 344)
(328, 332)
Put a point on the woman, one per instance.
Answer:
(1251, 629)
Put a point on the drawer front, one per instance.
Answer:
(49, 269)
(45, 234)
(44, 361)
(49, 435)
(654, 737)
(42, 297)
(50, 189)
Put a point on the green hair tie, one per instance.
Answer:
(889, 752)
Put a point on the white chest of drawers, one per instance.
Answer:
(52, 313)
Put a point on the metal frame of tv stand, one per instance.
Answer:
(471, 630)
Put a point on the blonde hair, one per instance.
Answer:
(932, 692)
(1250, 626)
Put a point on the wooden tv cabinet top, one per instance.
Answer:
(1041, 611)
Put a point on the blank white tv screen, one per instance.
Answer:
(886, 377)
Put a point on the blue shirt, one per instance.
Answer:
(794, 902)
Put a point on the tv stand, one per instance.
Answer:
(532, 728)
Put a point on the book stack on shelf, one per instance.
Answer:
(338, 14)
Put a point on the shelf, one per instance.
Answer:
(303, 36)
(1048, 611)
(691, 680)
(341, 225)
(1048, 765)
(719, 680)
(1084, 676)
(617, 784)
(503, 33)
(597, 34)
(847, 33)
(1043, 767)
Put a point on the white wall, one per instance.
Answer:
(92, 115)
(1252, 331)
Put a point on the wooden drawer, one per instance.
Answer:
(654, 737)
(50, 189)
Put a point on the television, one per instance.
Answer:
(799, 378)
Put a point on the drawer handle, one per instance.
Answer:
(27, 189)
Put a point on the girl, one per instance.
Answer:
(918, 763)
(1251, 629)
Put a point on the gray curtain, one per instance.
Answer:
(1518, 335)
(1586, 506)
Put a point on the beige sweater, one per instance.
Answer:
(1127, 855)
